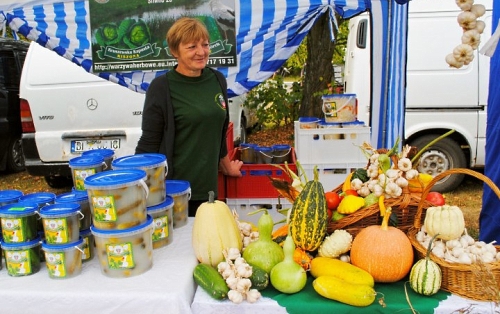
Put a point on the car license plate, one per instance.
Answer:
(80, 146)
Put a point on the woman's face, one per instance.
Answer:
(192, 57)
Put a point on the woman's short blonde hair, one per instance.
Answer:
(184, 30)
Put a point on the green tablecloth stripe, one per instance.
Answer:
(308, 301)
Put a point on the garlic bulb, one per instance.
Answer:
(472, 38)
(478, 10)
(465, 5)
(463, 53)
(480, 25)
(466, 20)
(452, 62)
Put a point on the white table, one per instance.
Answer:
(166, 288)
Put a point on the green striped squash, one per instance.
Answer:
(308, 216)
(425, 275)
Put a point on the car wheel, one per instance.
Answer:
(59, 182)
(15, 157)
(243, 130)
(443, 155)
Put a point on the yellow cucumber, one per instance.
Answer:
(342, 291)
(326, 266)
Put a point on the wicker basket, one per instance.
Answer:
(404, 207)
(464, 280)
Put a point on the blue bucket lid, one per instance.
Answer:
(168, 203)
(62, 246)
(86, 161)
(308, 119)
(19, 209)
(59, 210)
(176, 187)
(353, 123)
(281, 147)
(39, 198)
(148, 160)
(7, 196)
(263, 149)
(103, 152)
(116, 232)
(323, 122)
(113, 178)
(21, 245)
(248, 145)
(72, 197)
(85, 232)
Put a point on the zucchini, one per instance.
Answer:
(259, 278)
(209, 279)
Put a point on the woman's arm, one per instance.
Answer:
(230, 167)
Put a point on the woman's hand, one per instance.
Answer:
(230, 167)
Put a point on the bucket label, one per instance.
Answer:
(18, 262)
(86, 249)
(56, 230)
(13, 230)
(104, 208)
(120, 256)
(330, 108)
(79, 177)
(56, 264)
(160, 225)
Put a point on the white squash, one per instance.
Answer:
(447, 222)
(214, 230)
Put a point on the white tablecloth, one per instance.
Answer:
(166, 288)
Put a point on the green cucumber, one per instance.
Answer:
(259, 278)
(209, 279)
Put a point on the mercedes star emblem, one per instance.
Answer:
(92, 104)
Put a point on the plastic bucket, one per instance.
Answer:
(22, 259)
(81, 198)
(263, 155)
(163, 225)
(83, 167)
(331, 125)
(247, 153)
(125, 253)
(19, 222)
(308, 122)
(106, 153)
(354, 124)
(88, 245)
(156, 168)
(63, 261)
(41, 199)
(340, 107)
(61, 223)
(117, 198)
(281, 153)
(10, 196)
(180, 191)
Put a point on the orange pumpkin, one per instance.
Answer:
(383, 251)
(303, 258)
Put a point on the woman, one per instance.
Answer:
(186, 116)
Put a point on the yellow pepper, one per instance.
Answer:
(347, 182)
(350, 204)
(418, 184)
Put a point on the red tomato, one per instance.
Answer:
(436, 198)
(332, 200)
(351, 192)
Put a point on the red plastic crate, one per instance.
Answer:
(230, 138)
(221, 187)
(221, 180)
(255, 182)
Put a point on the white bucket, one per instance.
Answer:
(340, 107)
(83, 167)
(180, 191)
(63, 260)
(163, 224)
(61, 222)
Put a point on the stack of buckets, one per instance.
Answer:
(255, 154)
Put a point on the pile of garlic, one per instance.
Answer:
(463, 54)
(236, 272)
(248, 235)
(463, 250)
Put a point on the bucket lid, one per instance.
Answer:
(119, 232)
(85, 232)
(338, 96)
(10, 195)
(21, 245)
(353, 123)
(148, 160)
(39, 198)
(19, 209)
(72, 197)
(104, 152)
(263, 149)
(176, 187)
(308, 119)
(60, 209)
(247, 145)
(168, 203)
(326, 123)
(86, 161)
(62, 246)
(113, 178)
(281, 147)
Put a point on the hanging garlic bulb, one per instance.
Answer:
(480, 25)
(478, 10)
(472, 38)
(466, 20)
(453, 62)
(465, 5)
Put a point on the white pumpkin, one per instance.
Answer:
(447, 222)
(214, 230)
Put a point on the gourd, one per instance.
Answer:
(342, 291)
(264, 252)
(214, 230)
(209, 279)
(383, 251)
(425, 275)
(287, 276)
(325, 266)
(336, 244)
(259, 278)
(446, 221)
(309, 215)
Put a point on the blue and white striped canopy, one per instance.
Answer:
(267, 34)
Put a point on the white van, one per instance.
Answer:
(438, 98)
(66, 111)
